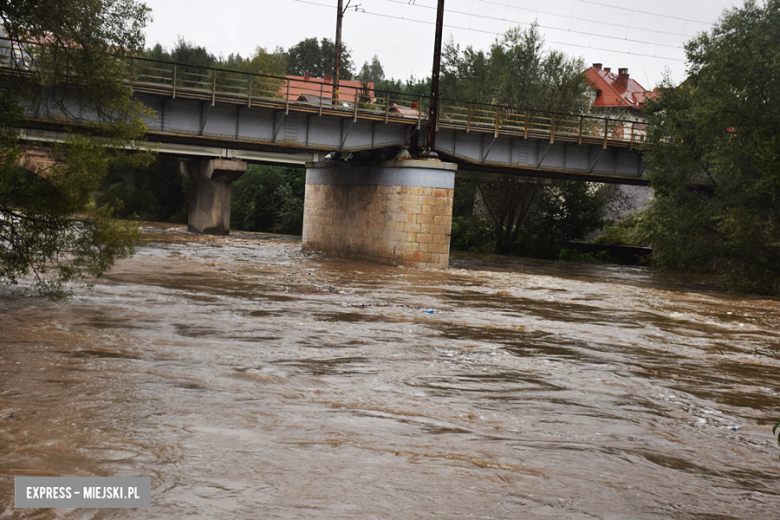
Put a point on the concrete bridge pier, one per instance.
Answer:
(210, 193)
(396, 212)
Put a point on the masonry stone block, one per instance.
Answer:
(383, 212)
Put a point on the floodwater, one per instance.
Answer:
(249, 380)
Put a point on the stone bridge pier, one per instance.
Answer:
(396, 212)
(210, 193)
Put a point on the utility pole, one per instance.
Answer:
(433, 109)
(337, 67)
(339, 15)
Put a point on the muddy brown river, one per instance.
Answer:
(249, 380)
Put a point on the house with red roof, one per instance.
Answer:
(618, 95)
(308, 88)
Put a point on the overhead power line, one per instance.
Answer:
(643, 12)
(602, 22)
(550, 27)
(497, 33)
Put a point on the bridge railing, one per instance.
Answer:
(189, 81)
(231, 86)
(315, 95)
(509, 120)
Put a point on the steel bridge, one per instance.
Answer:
(212, 112)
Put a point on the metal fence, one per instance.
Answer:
(315, 95)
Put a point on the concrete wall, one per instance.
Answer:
(210, 193)
(396, 212)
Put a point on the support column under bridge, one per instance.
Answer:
(210, 193)
(396, 212)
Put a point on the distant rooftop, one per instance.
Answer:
(308, 86)
(617, 90)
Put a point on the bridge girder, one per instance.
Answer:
(290, 134)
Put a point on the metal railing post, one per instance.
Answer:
(498, 114)
(321, 87)
(387, 106)
(213, 87)
(552, 129)
(419, 113)
(632, 136)
(249, 96)
(42, 60)
(438, 115)
(606, 132)
(354, 119)
(174, 81)
(527, 115)
(468, 120)
(579, 138)
(132, 72)
(287, 105)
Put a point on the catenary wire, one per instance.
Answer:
(497, 33)
(572, 17)
(644, 12)
(584, 33)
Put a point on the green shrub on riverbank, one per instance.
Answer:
(521, 217)
(156, 192)
(269, 199)
(265, 198)
(623, 233)
(571, 255)
(720, 127)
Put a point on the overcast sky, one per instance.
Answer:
(644, 36)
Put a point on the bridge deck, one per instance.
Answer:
(258, 90)
(232, 111)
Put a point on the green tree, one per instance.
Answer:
(289, 219)
(417, 87)
(269, 198)
(465, 74)
(525, 217)
(318, 59)
(157, 192)
(566, 211)
(49, 227)
(722, 127)
(412, 87)
(185, 52)
(372, 73)
(260, 62)
(518, 72)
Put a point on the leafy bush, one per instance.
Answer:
(566, 211)
(622, 233)
(521, 217)
(289, 219)
(269, 199)
(156, 192)
(571, 255)
(722, 128)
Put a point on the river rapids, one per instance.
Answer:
(250, 380)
